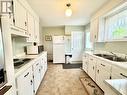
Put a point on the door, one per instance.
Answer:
(92, 68)
(20, 18)
(25, 83)
(31, 28)
(85, 63)
(37, 76)
(58, 53)
(77, 45)
(36, 31)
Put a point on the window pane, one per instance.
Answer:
(117, 25)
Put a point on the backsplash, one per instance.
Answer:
(118, 47)
(18, 45)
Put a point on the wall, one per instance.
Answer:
(18, 44)
(48, 45)
(119, 47)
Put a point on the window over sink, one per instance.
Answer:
(116, 24)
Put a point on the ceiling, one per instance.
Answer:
(52, 12)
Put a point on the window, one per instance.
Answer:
(88, 42)
(116, 25)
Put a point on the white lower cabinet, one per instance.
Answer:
(92, 68)
(28, 82)
(100, 70)
(37, 76)
(118, 73)
(25, 83)
(85, 63)
(101, 75)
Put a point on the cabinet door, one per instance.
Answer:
(101, 75)
(31, 28)
(94, 30)
(42, 67)
(37, 80)
(92, 68)
(20, 18)
(25, 83)
(36, 31)
(118, 73)
(85, 63)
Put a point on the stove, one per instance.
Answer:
(20, 62)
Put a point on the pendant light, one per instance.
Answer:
(68, 11)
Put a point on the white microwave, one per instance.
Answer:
(33, 50)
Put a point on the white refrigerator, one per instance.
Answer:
(58, 49)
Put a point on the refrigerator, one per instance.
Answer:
(58, 49)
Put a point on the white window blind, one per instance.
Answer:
(116, 25)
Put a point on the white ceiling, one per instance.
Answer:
(52, 12)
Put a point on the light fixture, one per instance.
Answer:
(68, 11)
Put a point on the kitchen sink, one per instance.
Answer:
(112, 57)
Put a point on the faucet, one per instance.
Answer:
(113, 54)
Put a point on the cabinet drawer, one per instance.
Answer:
(37, 64)
(92, 59)
(104, 65)
(119, 72)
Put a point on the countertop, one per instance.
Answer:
(34, 58)
(119, 85)
(122, 65)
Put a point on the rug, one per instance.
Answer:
(90, 86)
(72, 66)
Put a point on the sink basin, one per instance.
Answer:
(104, 55)
(112, 57)
(117, 59)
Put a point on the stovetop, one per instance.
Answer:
(20, 62)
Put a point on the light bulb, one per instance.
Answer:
(68, 12)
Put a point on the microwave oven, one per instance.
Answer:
(33, 50)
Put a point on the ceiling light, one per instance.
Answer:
(68, 11)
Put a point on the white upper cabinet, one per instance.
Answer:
(111, 24)
(94, 30)
(30, 27)
(20, 15)
(36, 31)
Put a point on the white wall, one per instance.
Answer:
(120, 47)
(18, 44)
(48, 45)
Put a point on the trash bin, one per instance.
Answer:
(67, 58)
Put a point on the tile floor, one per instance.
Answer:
(59, 81)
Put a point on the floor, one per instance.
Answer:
(59, 81)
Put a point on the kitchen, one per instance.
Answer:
(89, 42)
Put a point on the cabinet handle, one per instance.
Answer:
(110, 77)
(98, 71)
(13, 21)
(37, 64)
(26, 74)
(25, 23)
(93, 67)
(91, 59)
(103, 65)
(123, 75)
(31, 82)
(39, 70)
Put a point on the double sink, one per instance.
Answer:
(112, 57)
